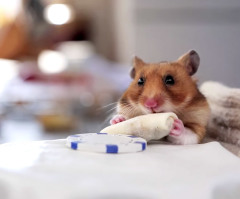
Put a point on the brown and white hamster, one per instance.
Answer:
(167, 87)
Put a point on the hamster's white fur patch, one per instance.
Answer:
(187, 137)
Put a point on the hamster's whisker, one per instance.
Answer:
(106, 106)
(110, 110)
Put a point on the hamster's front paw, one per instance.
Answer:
(182, 135)
(178, 128)
(116, 119)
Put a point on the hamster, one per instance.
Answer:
(167, 87)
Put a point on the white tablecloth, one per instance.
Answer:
(50, 170)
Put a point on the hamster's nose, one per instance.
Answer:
(151, 103)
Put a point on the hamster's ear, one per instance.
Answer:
(137, 63)
(191, 61)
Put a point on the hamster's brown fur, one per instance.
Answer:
(182, 98)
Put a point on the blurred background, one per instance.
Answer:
(64, 64)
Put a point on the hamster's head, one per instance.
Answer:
(165, 86)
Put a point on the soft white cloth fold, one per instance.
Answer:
(220, 94)
(224, 102)
(48, 169)
(223, 133)
(227, 117)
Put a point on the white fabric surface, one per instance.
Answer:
(50, 170)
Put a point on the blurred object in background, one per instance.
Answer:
(54, 77)
(64, 90)
(12, 29)
(37, 25)
(43, 24)
(58, 14)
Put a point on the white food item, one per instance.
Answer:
(150, 127)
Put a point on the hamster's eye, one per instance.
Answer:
(141, 81)
(169, 80)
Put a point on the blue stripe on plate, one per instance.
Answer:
(74, 145)
(110, 148)
(132, 136)
(142, 143)
(102, 133)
